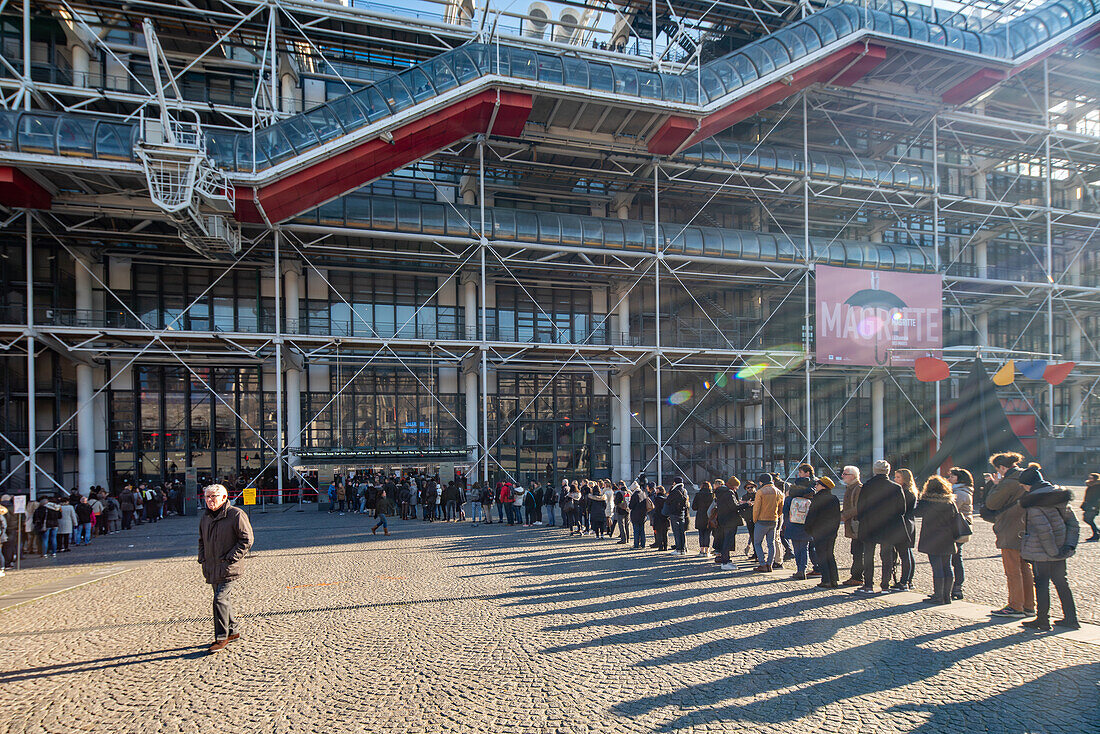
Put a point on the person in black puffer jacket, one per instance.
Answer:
(658, 519)
(1091, 506)
(728, 520)
(937, 535)
(701, 505)
(638, 506)
(677, 507)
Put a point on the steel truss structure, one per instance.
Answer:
(591, 268)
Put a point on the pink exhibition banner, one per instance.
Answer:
(877, 317)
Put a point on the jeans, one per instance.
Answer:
(620, 523)
(500, 512)
(942, 577)
(84, 533)
(908, 562)
(764, 536)
(1021, 584)
(127, 519)
(362, 504)
(224, 622)
(510, 511)
(724, 547)
(1047, 572)
(801, 554)
(825, 558)
(451, 512)
(679, 534)
(639, 533)
(957, 567)
(548, 511)
(517, 513)
(704, 537)
(48, 540)
(475, 512)
(381, 523)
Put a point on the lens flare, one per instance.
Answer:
(773, 363)
(706, 385)
(720, 379)
(750, 371)
(679, 397)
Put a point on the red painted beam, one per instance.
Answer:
(985, 79)
(862, 67)
(348, 170)
(670, 135)
(844, 67)
(17, 189)
(980, 81)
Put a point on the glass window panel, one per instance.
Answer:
(440, 74)
(744, 67)
(324, 123)
(576, 72)
(112, 142)
(626, 81)
(524, 63)
(649, 85)
(601, 77)
(395, 93)
(550, 70)
(418, 83)
(464, 67)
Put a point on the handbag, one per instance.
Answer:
(712, 518)
(963, 530)
(649, 506)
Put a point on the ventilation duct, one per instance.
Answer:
(538, 17)
(568, 27)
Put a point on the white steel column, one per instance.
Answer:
(621, 411)
(469, 376)
(280, 444)
(625, 463)
(32, 418)
(659, 257)
(81, 66)
(1049, 192)
(293, 375)
(806, 260)
(85, 387)
(483, 242)
(936, 252)
(878, 419)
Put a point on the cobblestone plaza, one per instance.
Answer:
(454, 627)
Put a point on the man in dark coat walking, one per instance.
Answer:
(881, 515)
(225, 535)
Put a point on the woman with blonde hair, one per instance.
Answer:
(903, 544)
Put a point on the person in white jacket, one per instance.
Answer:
(65, 527)
(962, 485)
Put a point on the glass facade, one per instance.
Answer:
(544, 423)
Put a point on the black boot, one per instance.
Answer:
(936, 597)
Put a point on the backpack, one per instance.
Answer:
(800, 507)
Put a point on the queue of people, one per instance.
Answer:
(61, 523)
(800, 521)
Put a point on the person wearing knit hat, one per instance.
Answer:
(1050, 537)
(823, 524)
